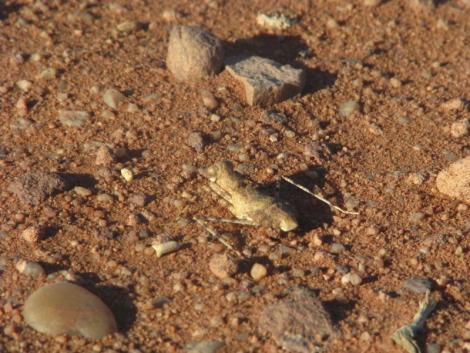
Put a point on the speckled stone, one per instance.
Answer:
(66, 308)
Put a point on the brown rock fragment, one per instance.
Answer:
(454, 181)
(104, 156)
(34, 188)
(33, 234)
(193, 53)
(266, 81)
(298, 323)
(223, 266)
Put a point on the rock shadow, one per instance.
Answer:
(288, 49)
(312, 213)
(116, 298)
(79, 179)
(338, 309)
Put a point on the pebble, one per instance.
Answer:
(29, 268)
(275, 20)
(33, 234)
(35, 187)
(127, 174)
(351, 278)
(127, 26)
(460, 128)
(258, 272)
(196, 140)
(371, 2)
(66, 308)
(204, 347)
(418, 285)
(138, 199)
(223, 265)
(112, 98)
(81, 191)
(24, 85)
(193, 53)
(349, 107)
(48, 74)
(417, 178)
(433, 348)
(104, 156)
(208, 99)
(166, 247)
(453, 104)
(337, 248)
(73, 118)
(416, 217)
(454, 181)
(266, 81)
(298, 322)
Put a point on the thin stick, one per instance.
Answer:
(321, 198)
(216, 235)
(226, 220)
(406, 336)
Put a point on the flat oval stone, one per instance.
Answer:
(66, 308)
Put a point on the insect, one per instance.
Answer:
(247, 203)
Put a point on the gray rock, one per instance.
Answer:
(454, 181)
(265, 81)
(417, 285)
(298, 323)
(65, 308)
(112, 98)
(73, 118)
(34, 188)
(204, 347)
(193, 53)
(223, 266)
(197, 141)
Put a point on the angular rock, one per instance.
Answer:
(197, 141)
(454, 181)
(73, 118)
(460, 128)
(112, 97)
(417, 285)
(266, 81)
(298, 323)
(34, 188)
(65, 308)
(193, 53)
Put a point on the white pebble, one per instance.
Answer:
(29, 268)
(352, 278)
(112, 98)
(258, 272)
(24, 85)
(127, 174)
(166, 247)
(347, 108)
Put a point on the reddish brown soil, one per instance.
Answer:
(398, 131)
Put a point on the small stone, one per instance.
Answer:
(460, 128)
(81, 191)
(349, 107)
(170, 15)
(204, 347)
(196, 140)
(258, 272)
(371, 2)
(48, 74)
(33, 234)
(453, 104)
(208, 99)
(215, 118)
(433, 348)
(127, 174)
(24, 85)
(337, 248)
(127, 26)
(138, 199)
(422, 4)
(104, 156)
(417, 285)
(166, 247)
(416, 217)
(223, 266)
(65, 308)
(298, 323)
(34, 188)
(132, 108)
(394, 82)
(265, 81)
(104, 198)
(113, 98)
(29, 268)
(417, 178)
(275, 20)
(193, 53)
(73, 118)
(454, 181)
(352, 278)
